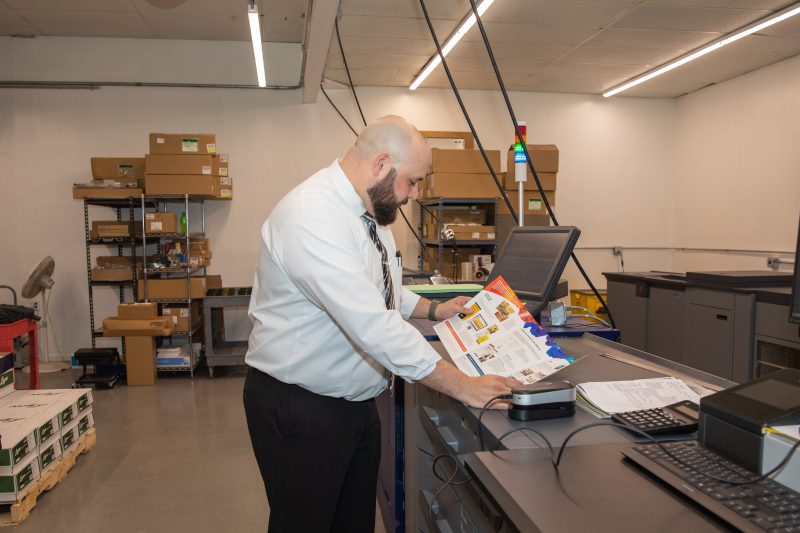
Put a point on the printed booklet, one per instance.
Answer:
(500, 337)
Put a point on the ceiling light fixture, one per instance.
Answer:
(465, 26)
(255, 35)
(716, 45)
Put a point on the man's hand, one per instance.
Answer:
(452, 307)
(474, 391)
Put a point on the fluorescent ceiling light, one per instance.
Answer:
(716, 45)
(450, 44)
(258, 51)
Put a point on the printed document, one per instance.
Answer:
(604, 398)
(499, 336)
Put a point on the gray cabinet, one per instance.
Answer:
(719, 332)
(630, 312)
(666, 318)
(777, 341)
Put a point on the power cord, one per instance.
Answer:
(556, 461)
(586, 314)
(449, 482)
(524, 146)
(347, 69)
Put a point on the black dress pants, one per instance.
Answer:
(318, 456)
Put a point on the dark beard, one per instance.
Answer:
(384, 202)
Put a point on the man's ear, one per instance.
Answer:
(381, 165)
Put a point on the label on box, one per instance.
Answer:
(211, 148)
(206, 170)
(185, 311)
(159, 140)
(156, 226)
(534, 204)
(150, 216)
(174, 320)
(225, 181)
(189, 144)
(223, 158)
(124, 169)
(226, 193)
(223, 171)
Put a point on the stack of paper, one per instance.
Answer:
(604, 398)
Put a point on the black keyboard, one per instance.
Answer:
(763, 506)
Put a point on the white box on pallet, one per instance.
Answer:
(85, 422)
(6, 374)
(69, 436)
(66, 403)
(11, 485)
(50, 452)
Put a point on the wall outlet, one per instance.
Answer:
(617, 250)
(773, 262)
(36, 307)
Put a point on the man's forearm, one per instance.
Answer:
(421, 309)
(449, 380)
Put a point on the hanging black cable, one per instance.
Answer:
(337, 110)
(527, 155)
(466, 115)
(347, 69)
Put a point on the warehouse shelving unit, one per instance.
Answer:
(436, 209)
(160, 202)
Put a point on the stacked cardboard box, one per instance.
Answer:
(113, 177)
(114, 229)
(36, 428)
(187, 163)
(461, 174)
(116, 268)
(545, 161)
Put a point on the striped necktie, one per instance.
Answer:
(388, 292)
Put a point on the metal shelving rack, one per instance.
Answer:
(132, 242)
(437, 206)
(161, 202)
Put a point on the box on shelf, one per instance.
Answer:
(449, 139)
(6, 374)
(202, 164)
(534, 205)
(199, 246)
(213, 281)
(81, 191)
(116, 268)
(463, 161)
(183, 143)
(548, 179)
(177, 356)
(117, 168)
(161, 222)
(172, 289)
(544, 157)
(151, 327)
(180, 316)
(114, 228)
(137, 311)
(193, 184)
(460, 185)
(140, 360)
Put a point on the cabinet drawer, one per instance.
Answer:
(709, 298)
(773, 321)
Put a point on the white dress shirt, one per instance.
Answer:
(318, 311)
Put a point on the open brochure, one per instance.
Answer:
(500, 337)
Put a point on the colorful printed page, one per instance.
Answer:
(500, 337)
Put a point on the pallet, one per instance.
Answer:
(55, 473)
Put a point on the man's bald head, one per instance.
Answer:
(393, 135)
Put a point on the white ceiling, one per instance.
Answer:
(577, 46)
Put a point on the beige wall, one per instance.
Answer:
(634, 172)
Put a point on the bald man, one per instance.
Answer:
(329, 329)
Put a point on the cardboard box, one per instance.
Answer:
(466, 138)
(224, 188)
(172, 289)
(183, 143)
(137, 311)
(213, 281)
(544, 156)
(548, 179)
(116, 168)
(463, 161)
(85, 422)
(115, 273)
(50, 453)
(119, 182)
(140, 360)
(160, 222)
(532, 201)
(114, 228)
(80, 192)
(47, 409)
(151, 327)
(14, 483)
(461, 185)
(193, 184)
(6, 374)
(69, 436)
(203, 164)
(180, 316)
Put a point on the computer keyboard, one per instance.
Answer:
(763, 506)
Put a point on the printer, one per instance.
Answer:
(735, 422)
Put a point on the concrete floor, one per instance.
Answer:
(173, 457)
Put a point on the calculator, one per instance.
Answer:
(672, 419)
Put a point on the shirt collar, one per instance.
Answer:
(352, 200)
